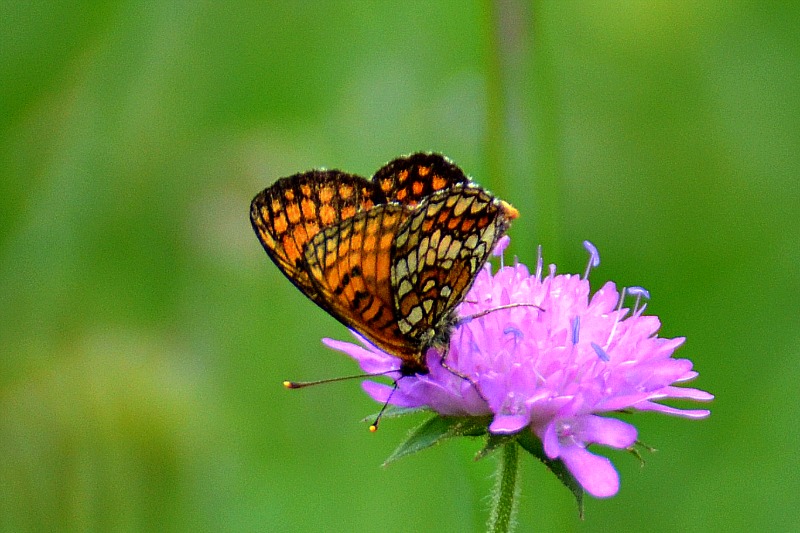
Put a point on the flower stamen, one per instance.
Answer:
(576, 330)
(515, 332)
(500, 247)
(618, 316)
(601, 353)
(639, 293)
(594, 258)
(566, 435)
(539, 263)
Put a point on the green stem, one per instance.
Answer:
(504, 497)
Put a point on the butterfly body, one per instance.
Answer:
(390, 257)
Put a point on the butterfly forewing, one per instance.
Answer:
(408, 180)
(438, 251)
(289, 213)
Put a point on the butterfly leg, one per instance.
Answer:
(459, 374)
(374, 426)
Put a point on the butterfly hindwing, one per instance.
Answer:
(438, 251)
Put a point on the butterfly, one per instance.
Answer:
(389, 257)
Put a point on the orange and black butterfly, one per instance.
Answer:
(389, 257)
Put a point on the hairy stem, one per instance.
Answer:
(506, 491)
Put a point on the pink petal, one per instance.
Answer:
(595, 473)
(607, 431)
(369, 361)
(380, 393)
(552, 448)
(689, 394)
(684, 413)
(508, 423)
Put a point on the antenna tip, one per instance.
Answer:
(290, 384)
(373, 428)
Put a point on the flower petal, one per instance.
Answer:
(607, 431)
(666, 409)
(370, 361)
(595, 473)
(507, 424)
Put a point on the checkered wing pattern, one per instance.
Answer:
(438, 251)
(389, 257)
(408, 180)
(350, 267)
(287, 215)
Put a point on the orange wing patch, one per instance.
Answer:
(410, 179)
(350, 267)
(287, 215)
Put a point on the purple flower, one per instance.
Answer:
(554, 369)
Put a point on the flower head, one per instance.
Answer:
(553, 368)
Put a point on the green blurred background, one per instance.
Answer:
(144, 333)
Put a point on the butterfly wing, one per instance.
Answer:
(389, 258)
(410, 179)
(287, 215)
(437, 254)
(349, 265)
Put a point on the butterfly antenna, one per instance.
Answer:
(485, 312)
(303, 384)
(374, 426)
